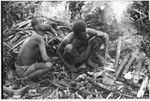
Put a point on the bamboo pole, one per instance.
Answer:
(143, 87)
(133, 57)
(121, 66)
(136, 76)
(118, 53)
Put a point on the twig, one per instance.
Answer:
(118, 53)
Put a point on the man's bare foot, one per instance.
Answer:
(21, 91)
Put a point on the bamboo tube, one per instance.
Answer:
(121, 66)
(133, 57)
(118, 53)
(143, 87)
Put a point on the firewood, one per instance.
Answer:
(133, 57)
(143, 87)
(109, 95)
(148, 62)
(103, 86)
(79, 96)
(136, 76)
(121, 66)
(9, 38)
(118, 53)
(5, 44)
(17, 45)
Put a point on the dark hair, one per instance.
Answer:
(34, 22)
(79, 27)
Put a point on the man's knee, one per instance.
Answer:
(69, 48)
(68, 51)
(96, 44)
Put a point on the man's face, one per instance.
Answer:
(83, 34)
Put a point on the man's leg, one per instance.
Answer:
(69, 57)
(68, 54)
(37, 70)
(96, 46)
(12, 92)
(8, 91)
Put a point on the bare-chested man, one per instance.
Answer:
(81, 44)
(32, 60)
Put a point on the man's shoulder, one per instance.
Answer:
(93, 31)
(36, 38)
(69, 36)
(90, 30)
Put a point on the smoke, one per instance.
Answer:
(54, 10)
(119, 7)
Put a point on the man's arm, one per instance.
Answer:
(102, 35)
(60, 49)
(86, 53)
(43, 50)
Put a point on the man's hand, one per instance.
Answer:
(47, 59)
(71, 68)
(108, 58)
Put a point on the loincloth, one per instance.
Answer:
(21, 70)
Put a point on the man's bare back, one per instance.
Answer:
(29, 52)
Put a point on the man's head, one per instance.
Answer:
(36, 23)
(79, 28)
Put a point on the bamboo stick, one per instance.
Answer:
(143, 87)
(121, 66)
(118, 53)
(133, 57)
(148, 62)
(136, 76)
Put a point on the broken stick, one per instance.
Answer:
(136, 76)
(121, 66)
(148, 62)
(133, 57)
(118, 53)
(143, 87)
